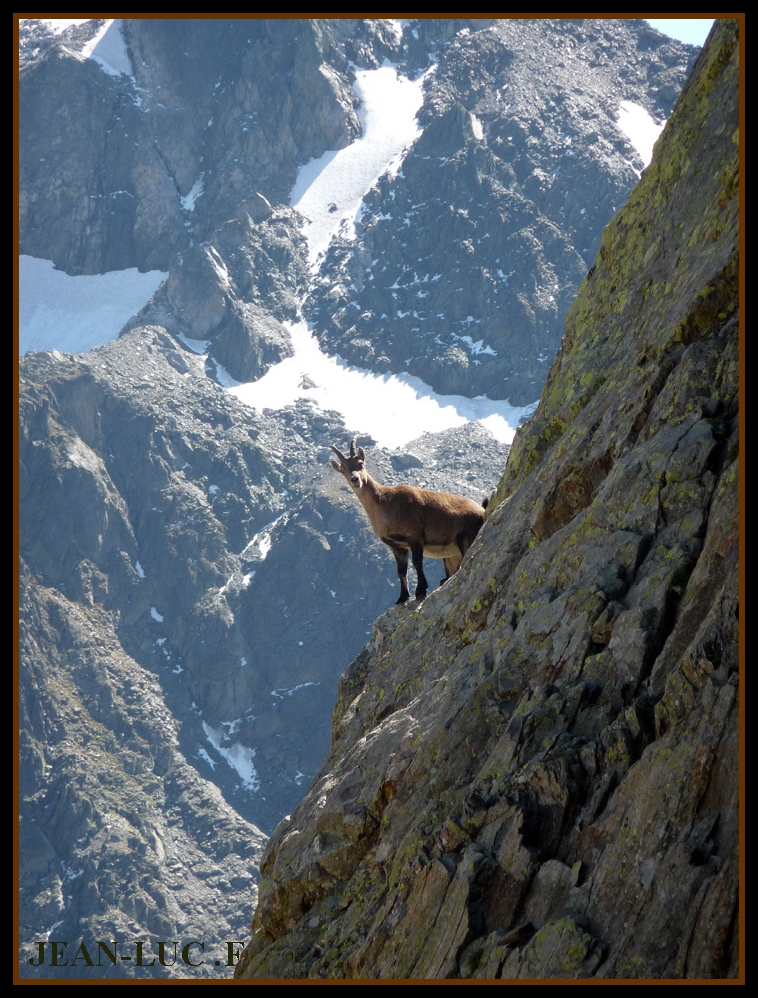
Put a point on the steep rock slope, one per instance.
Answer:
(536, 771)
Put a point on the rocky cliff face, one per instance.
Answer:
(535, 771)
(124, 148)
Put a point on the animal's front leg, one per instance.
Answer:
(417, 551)
(401, 557)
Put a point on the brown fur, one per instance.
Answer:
(435, 524)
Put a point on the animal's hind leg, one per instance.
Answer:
(451, 567)
(463, 542)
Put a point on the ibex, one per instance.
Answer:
(435, 524)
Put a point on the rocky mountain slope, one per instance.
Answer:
(466, 261)
(194, 579)
(535, 771)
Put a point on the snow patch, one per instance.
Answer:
(262, 541)
(239, 757)
(329, 190)
(394, 409)
(280, 694)
(475, 347)
(188, 201)
(641, 130)
(76, 314)
(200, 347)
(108, 50)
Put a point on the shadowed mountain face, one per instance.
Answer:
(535, 772)
(195, 579)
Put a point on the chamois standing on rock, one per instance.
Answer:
(436, 524)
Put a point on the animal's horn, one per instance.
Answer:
(352, 447)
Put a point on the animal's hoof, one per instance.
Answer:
(402, 599)
(420, 596)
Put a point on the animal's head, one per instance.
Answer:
(353, 468)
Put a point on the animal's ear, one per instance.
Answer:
(361, 454)
(336, 466)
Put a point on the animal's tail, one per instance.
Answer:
(485, 502)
